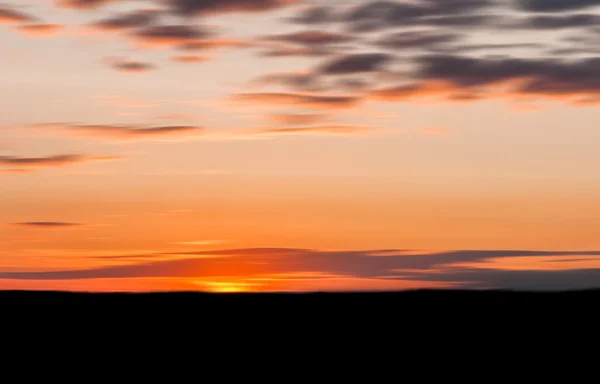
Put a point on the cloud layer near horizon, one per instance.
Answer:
(489, 269)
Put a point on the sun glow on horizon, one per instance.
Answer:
(227, 286)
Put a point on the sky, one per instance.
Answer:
(289, 145)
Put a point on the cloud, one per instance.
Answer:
(46, 224)
(8, 15)
(297, 119)
(356, 63)
(129, 66)
(557, 22)
(462, 78)
(296, 99)
(314, 15)
(556, 5)
(377, 15)
(39, 30)
(168, 36)
(190, 8)
(50, 161)
(84, 4)
(316, 130)
(387, 265)
(136, 19)
(133, 132)
(416, 39)
(302, 81)
(190, 59)
(290, 51)
(214, 43)
(311, 38)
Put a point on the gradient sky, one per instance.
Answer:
(231, 145)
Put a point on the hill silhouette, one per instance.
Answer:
(446, 318)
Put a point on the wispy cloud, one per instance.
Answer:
(10, 15)
(129, 132)
(296, 99)
(40, 30)
(46, 224)
(129, 66)
(29, 163)
(297, 119)
(334, 130)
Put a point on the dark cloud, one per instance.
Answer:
(8, 15)
(469, 268)
(129, 66)
(376, 15)
(314, 15)
(300, 100)
(135, 19)
(379, 14)
(416, 39)
(538, 76)
(210, 7)
(461, 78)
(46, 224)
(559, 22)
(356, 63)
(304, 43)
(50, 161)
(352, 84)
(298, 81)
(498, 46)
(552, 280)
(169, 35)
(311, 38)
(462, 22)
(555, 5)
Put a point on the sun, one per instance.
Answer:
(226, 287)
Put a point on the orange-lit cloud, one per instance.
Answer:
(83, 4)
(15, 162)
(316, 130)
(295, 99)
(190, 59)
(214, 43)
(39, 30)
(297, 119)
(133, 132)
(292, 269)
(539, 263)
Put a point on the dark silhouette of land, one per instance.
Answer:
(357, 304)
(320, 320)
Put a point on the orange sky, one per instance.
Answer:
(259, 145)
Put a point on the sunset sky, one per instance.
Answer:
(289, 145)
